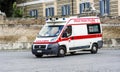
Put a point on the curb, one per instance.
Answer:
(111, 48)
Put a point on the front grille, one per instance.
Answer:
(40, 46)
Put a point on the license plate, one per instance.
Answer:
(39, 51)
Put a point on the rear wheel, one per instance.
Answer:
(61, 52)
(39, 55)
(94, 49)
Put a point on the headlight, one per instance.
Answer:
(53, 40)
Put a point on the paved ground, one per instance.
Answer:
(24, 61)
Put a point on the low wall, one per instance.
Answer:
(108, 43)
(21, 36)
(111, 43)
(18, 36)
(15, 46)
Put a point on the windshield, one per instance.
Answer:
(50, 31)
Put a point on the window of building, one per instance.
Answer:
(66, 10)
(93, 29)
(104, 7)
(50, 11)
(84, 7)
(34, 13)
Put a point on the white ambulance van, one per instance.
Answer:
(68, 35)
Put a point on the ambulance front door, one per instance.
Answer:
(67, 37)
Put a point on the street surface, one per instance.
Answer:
(24, 61)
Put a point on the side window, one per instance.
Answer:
(67, 32)
(93, 29)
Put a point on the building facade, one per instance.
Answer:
(45, 8)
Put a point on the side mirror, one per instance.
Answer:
(64, 34)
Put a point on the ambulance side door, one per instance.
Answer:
(79, 33)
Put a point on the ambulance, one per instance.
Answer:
(60, 36)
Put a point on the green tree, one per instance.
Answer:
(6, 6)
(17, 12)
(1, 1)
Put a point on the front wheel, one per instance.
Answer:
(94, 49)
(61, 52)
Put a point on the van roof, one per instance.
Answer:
(73, 20)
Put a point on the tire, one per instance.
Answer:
(94, 49)
(61, 52)
(39, 55)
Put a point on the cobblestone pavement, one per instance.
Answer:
(24, 61)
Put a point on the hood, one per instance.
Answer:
(45, 40)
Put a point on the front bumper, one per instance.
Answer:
(45, 49)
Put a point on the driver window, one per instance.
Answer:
(67, 32)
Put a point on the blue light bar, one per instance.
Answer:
(63, 18)
(46, 19)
